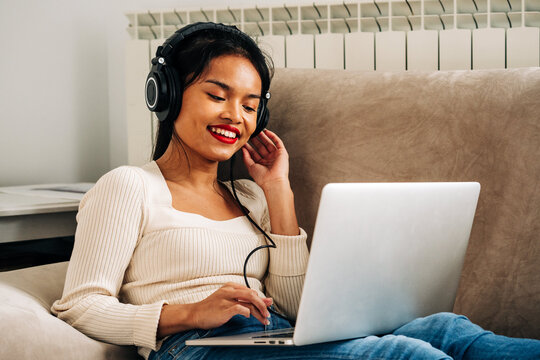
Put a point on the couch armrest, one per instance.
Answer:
(29, 331)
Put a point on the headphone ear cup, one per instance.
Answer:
(156, 90)
(263, 115)
(172, 92)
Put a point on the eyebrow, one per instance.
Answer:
(227, 87)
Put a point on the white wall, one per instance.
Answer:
(62, 86)
(54, 93)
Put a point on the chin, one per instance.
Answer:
(221, 157)
(224, 154)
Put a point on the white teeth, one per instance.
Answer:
(223, 132)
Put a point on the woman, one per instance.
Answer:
(160, 250)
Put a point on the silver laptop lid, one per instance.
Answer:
(382, 255)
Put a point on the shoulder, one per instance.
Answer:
(122, 182)
(122, 177)
(249, 188)
(252, 197)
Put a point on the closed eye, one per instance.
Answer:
(249, 109)
(215, 97)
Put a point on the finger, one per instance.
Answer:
(268, 301)
(256, 313)
(234, 289)
(253, 153)
(248, 161)
(275, 139)
(239, 309)
(246, 310)
(266, 141)
(251, 296)
(258, 144)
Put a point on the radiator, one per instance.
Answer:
(371, 35)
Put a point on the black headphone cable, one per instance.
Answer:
(273, 245)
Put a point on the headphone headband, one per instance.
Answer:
(179, 35)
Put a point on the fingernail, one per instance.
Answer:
(267, 322)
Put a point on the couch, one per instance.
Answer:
(345, 126)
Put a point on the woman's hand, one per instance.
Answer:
(229, 300)
(268, 164)
(267, 159)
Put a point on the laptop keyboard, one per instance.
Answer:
(287, 334)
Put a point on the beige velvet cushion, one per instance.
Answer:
(29, 331)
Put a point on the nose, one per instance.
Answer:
(233, 112)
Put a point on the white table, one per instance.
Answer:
(39, 211)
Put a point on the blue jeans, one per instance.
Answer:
(438, 336)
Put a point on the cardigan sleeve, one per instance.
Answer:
(109, 224)
(288, 261)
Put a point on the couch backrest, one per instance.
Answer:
(482, 125)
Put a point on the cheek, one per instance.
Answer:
(251, 125)
(189, 118)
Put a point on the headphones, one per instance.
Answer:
(163, 89)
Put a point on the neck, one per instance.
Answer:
(198, 173)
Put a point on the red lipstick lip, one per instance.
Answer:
(228, 128)
(223, 139)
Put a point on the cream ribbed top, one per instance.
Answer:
(134, 252)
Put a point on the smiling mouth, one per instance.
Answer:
(225, 136)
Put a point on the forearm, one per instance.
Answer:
(280, 200)
(173, 319)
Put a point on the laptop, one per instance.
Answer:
(382, 255)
